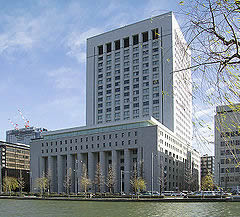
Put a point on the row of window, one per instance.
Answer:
(126, 42)
(126, 75)
(230, 134)
(103, 137)
(104, 145)
(230, 152)
(230, 170)
(230, 179)
(232, 142)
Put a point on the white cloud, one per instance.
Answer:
(66, 78)
(76, 43)
(204, 113)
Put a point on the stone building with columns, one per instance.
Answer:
(154, 149)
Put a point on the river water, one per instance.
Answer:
(34, 208)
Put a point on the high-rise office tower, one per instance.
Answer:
(140, 70)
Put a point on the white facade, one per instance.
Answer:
(121, 145)
(227, 146)
(132, 73)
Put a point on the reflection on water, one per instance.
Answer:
(19, 208)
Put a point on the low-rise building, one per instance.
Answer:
(147, 145)
(15, 159)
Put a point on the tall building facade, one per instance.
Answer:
(137, 71)
(24, 135)
(207, 165)
(15, 159)
(227, 146)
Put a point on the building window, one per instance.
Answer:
(135, 39)
(75, 147)
(155, 34)
(117, 45)
(100, 50)
(145, 36)
(109, 47)
(126, 42)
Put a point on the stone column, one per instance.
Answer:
(127, 170)
(103, 168)
(42, 166)
(50, 172)
(70, 166)
(79, 164)
(91, 170)
(115, 169)
(60, 173)
(139, 161)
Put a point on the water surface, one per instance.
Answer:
(38, 208)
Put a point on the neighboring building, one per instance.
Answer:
(121, 145)
(24, 135)
(227, 146)
(15, 159)
(132, 73)
(207, 165)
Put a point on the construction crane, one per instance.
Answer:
(14, 125)
(25, 120)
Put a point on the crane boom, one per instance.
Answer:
(24, 119)
(14, 125)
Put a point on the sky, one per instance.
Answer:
(43, 57)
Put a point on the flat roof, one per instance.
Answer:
(15, 145)
(129, 25)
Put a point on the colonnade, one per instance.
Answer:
(57, 166)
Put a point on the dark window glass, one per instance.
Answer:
(145, 36)
(135, 39)
(100, 50)
(126, 42)
(117, 45)
(155, 34)
(109, 47)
